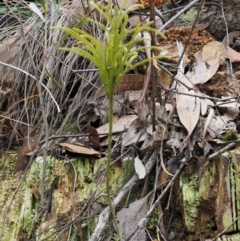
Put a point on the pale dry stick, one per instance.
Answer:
(181, 7)
(28, 74)
(219, 152)
(104, 215)
(161, 150)
(177, 15)
(220, 234)
(227, 32)
(206, 97)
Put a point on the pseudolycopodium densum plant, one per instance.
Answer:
(114, 56)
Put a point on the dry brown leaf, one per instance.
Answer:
(165, 79)
(79, 149)
(213, 50)
(212, 54)
(93, 137)
(201, 26)
(230, 37)
(163, 177)
(119, 124)
(131, 82)
(29, 144)
(233, 55)
(188, 107)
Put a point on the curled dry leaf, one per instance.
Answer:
(119, 124)
(29, 144)
(93, 135)
(230, 37)
(233, 55)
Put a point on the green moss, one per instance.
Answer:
(230, 136)
(128, 169)
(189, 17)
(153, 219)
(191, 200)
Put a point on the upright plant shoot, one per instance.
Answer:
(114, 57)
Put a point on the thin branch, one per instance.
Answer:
(220, 234)
(177, 15)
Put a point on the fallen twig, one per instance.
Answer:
(220, 234)
(177, 15)
(225, 148)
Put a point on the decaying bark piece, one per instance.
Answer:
(211, 201)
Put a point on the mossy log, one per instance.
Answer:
(210, 202)
(79, 188)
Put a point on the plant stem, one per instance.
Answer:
(108, 170)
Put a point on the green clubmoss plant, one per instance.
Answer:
(114, 56)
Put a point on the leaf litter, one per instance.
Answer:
(192, 112)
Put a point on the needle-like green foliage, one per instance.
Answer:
(114, 57)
